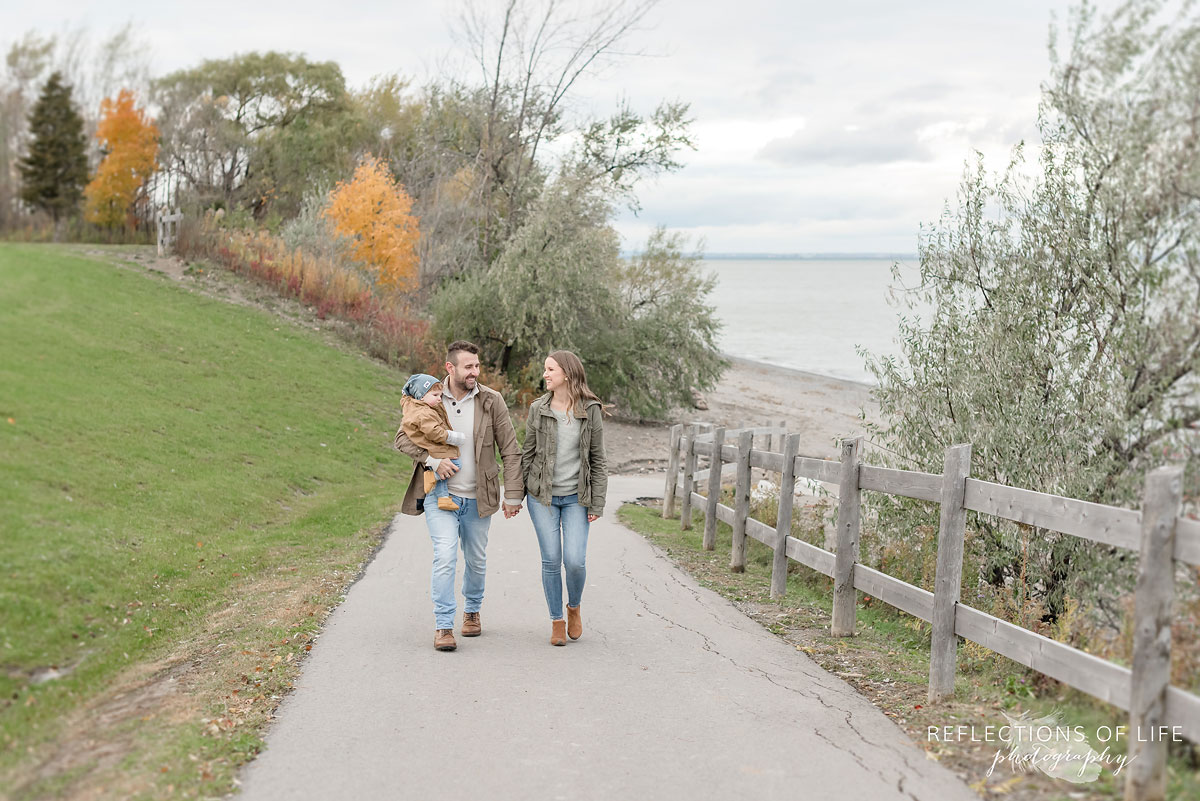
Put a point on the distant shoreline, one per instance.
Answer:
(809, 257)
(792, 371)
(910, 257)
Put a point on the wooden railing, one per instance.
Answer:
(168, 230)
(1157, 532)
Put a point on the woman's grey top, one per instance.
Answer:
(566, 459)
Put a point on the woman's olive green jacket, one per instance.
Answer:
(541, 447)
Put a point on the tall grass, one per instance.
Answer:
(386, 326)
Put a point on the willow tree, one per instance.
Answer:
(533, 261)
(1064, 337)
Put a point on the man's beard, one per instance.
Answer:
(465, 384)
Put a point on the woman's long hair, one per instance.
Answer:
(577, 388)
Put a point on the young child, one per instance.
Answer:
(427, 425)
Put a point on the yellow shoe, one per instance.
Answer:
(430, 479)
(446, 504)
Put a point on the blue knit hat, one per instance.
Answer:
(417, 385)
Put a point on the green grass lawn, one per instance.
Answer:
(164, 456)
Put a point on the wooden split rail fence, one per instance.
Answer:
(1157, 532)
(168, 230)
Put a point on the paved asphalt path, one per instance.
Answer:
(670, 693)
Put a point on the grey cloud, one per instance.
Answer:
(878, 142)
(909, 99)
(782, 88)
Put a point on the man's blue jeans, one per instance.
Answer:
(446, 529)
(562, 532)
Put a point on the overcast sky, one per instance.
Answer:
(820, 126)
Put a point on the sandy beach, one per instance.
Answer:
(820, 409)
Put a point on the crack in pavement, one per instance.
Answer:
(709, 645)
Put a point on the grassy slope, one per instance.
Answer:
(163, 455)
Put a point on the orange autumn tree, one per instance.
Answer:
(375, 212)
(129, 139)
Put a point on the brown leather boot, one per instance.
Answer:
(558, 634)
(443, 640)
(574, 623)
(471, 626)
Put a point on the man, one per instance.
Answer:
(481, 414)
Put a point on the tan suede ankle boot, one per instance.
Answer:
(447, 505)
(574, 623)
(558, 634)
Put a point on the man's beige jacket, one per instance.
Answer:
(493, 431)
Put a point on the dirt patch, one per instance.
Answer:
(101, 737)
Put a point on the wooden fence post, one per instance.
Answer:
(737, 556)
(943, 650)
(714, 490)
(1154, 595)
(689, 472)
(849, 514)
(672, 471)
(783, 524)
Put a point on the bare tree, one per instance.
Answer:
(25, 65)
(529, 59)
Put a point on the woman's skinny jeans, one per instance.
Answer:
(562, 532)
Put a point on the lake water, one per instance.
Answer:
(808, 314)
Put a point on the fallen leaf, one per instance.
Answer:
(13, 422)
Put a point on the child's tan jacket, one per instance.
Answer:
(427, 426)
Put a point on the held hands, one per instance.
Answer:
(511, 510)
(593, 518)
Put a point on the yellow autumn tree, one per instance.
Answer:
(374, 211)
(129, 140)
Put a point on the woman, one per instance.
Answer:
(566, 478)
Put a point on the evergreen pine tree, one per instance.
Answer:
(55, 169)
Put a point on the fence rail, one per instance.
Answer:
(168, 230)
(1157, 532)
